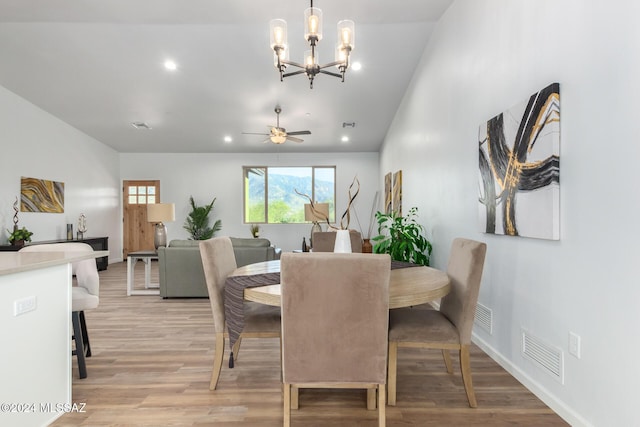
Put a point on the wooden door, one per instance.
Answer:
(137, 232)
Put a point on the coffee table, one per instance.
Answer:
(146, 257)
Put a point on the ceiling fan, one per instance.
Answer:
(279, 135)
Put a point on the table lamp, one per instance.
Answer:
(159, 213)
(320, 213)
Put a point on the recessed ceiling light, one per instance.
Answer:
(227, 139)
(345, 139)
(170, 65)
(356, 66)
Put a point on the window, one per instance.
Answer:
(141, 194)
(270, 192)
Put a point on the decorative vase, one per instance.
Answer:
(367, 247)
(343, 242)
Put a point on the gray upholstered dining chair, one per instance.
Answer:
(84, 296)
(335, 313)
(324, 241)
(448, 328)
(261, 321)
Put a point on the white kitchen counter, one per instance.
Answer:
(16, 262)
(35, 332)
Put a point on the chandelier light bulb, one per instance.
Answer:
(313, 24)
(346, 32)
(278, 32)
(282, 54)
(309, 59)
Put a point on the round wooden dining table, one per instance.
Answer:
(407, 286)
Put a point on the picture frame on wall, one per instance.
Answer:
(519, 168)
(41, 195)
(397, 193)
(387, 194)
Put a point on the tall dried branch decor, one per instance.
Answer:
(347, 213)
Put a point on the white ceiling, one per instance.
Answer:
(98, 65)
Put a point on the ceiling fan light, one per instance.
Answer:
(278, 139)
(278, 30)
(313, 24)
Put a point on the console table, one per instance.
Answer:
(97, 243)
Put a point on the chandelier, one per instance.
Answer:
(312, 34)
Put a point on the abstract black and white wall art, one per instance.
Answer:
(519, 181)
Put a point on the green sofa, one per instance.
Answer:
(180, 265)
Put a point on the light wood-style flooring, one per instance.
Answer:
(152, 360)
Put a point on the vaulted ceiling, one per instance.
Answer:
(98, 66)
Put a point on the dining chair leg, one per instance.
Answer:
(371, 399)
(236, 348)
(382, 415)
(217, 361)
(465, 367)
(85, 335)
(294, 392)
(77, 336)
(287, 405)
(280, 338)
(392, 361)
(447, 360)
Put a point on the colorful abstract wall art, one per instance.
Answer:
(40, 195)
(519, 181)
(387, 194)
(397, 193)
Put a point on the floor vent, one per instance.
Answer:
(549, 358)
(484, 318)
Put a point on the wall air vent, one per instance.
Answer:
(547, 357)
(348, 124)
(484, 318)
(141, 125)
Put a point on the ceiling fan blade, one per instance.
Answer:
(293, 138)
(300, 132)
(254, 133)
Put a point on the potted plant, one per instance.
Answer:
(402, 238)
(197, 222)
(19, 236)
(255, 230)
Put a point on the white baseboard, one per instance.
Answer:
(558, 406)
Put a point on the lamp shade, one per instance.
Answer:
(161, 212)
(321, 212)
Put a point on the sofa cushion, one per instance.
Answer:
(184, 243)
(250, 243)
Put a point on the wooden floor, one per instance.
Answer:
(152, 361)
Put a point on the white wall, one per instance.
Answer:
(205, 176)
(486, 56)
(37, 145)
